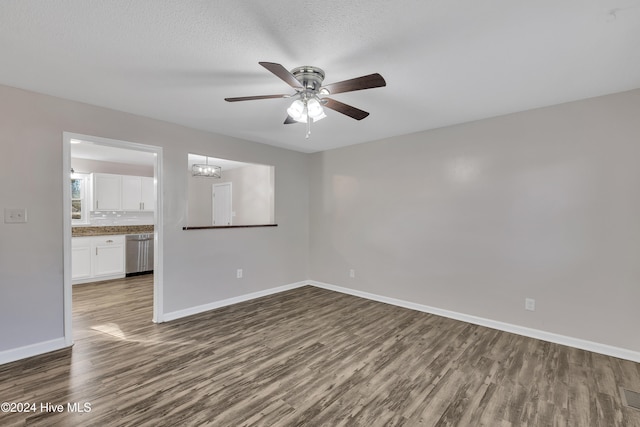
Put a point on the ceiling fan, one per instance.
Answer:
(310, 96)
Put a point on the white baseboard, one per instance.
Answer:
(12, 355)
(36, 349)
(167, 317)
(595, 347)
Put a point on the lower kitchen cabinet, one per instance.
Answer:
(97, 258)
(80, 258)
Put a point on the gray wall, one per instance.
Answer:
(199, 203)
(474, 218)
(252, 194)
(471, 218)
(199, 266)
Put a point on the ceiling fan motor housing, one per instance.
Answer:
(310, 77)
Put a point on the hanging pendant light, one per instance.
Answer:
(206, 170)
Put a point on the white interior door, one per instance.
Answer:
(221, 204)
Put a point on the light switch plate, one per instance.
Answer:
(15, 215)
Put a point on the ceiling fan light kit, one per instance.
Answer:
(302, 110)
(309, 106)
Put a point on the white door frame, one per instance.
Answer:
(158, 305)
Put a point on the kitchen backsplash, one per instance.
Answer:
(107, 218)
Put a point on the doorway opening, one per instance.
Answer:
(80, 205)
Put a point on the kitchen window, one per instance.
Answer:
(79, 183)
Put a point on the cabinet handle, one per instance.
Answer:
(109, 241)
(97, 205)
(96, 251)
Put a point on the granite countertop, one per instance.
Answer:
(111, 229)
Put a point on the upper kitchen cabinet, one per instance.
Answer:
(123, 193)
(107, 192)
(148, 194)
(137, 193)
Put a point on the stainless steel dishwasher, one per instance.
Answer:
(139, 251)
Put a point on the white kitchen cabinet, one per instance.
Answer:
(131, 188)
(137, 193)
(80, 258)
(147, 194)
(97, 258)
(108, 256)
(107, 192)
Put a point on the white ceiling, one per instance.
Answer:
(445, 61)
(90, 151)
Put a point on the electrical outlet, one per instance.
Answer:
(15, 215)
(530, 304)
(239, 273)
(352, 273)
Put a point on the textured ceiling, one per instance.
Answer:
(445, 62)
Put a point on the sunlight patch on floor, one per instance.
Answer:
(113, 330)
(110, 329)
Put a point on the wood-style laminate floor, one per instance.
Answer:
(307, 357)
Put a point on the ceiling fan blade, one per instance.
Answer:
(365, 82)
(289, 120)
(251, 98)
(283, 74)
(345, 109)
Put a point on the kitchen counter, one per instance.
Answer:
(111, 229)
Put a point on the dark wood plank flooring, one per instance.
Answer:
(308, 357)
